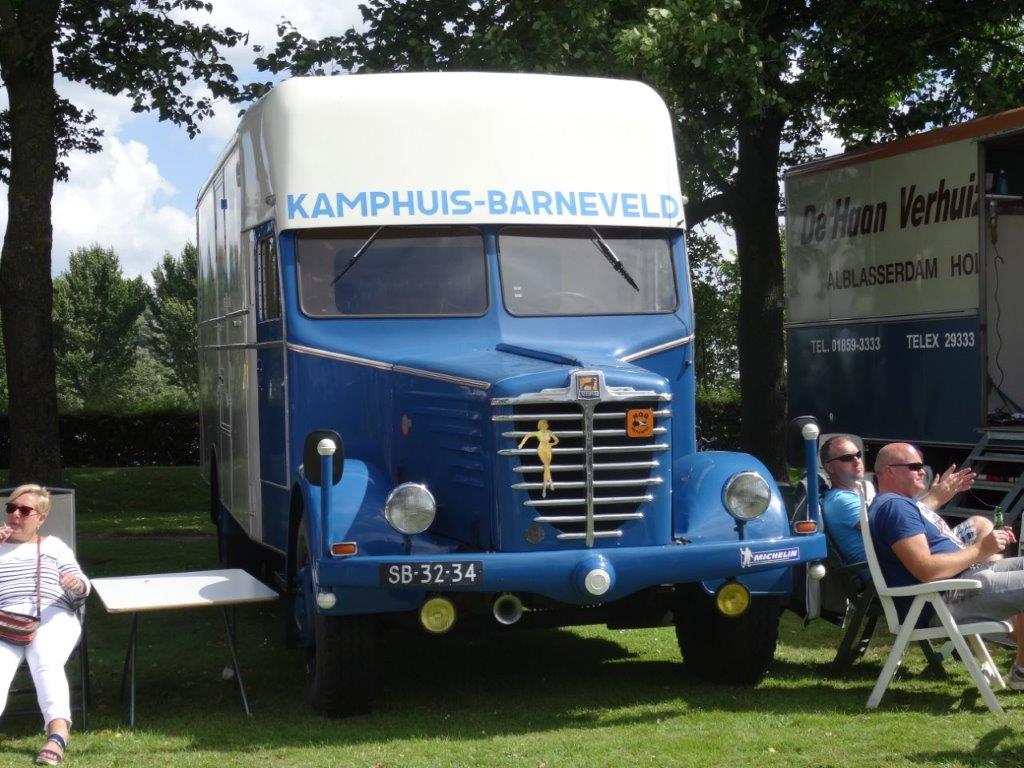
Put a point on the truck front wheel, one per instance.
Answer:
(341, 662)
(722, 649)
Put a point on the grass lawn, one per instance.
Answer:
(585, 697)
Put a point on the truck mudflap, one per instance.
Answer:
(389, 583)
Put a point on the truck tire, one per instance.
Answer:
(721, 649)
(341, 664)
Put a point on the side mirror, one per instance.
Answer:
(311, 458)
(795, 440)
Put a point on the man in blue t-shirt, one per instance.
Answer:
(914, 547)
(843, 463)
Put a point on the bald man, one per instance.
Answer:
(843, 463)
(915, 547)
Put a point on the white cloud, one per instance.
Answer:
(114, 199)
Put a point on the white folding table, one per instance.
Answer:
(170, 591)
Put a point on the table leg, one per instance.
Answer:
(129, 668)
(229, 625)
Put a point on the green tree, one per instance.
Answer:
(715, 305)
(139, 48)
(97, 315)
(172, 319)
(752, 85)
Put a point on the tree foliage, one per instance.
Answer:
(146, 50)
(752, 87)
(97, 315)
(172, 319)
(715, 306)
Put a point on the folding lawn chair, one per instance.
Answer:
(906, 629)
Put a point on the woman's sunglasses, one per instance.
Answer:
(18, 509)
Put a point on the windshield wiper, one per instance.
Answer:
(613, 259)
(356, 255)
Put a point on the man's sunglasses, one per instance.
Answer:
(846, 457)
(913, 466)
(18, 509)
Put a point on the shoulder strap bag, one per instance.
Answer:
(20, 628)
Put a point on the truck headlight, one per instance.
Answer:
(746, 495)
(410, 508)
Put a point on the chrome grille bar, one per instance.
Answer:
(533, 452)
(629, 448)
(642, 482)
(594, 501)
(609, 415)
(553, 468)
(618, 516)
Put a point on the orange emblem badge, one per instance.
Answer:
(640, 422)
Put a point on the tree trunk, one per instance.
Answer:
(26, 288)
(760, 334)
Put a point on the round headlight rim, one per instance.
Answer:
(388, 516)
(733, 479)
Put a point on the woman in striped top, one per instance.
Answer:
(62, 588)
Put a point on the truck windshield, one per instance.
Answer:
(584, 271)
(392, 272)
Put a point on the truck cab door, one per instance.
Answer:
(270, 360)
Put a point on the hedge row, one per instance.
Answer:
(168, 438)
(163, 438)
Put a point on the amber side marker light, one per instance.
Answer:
(343, 548)
(805, 526)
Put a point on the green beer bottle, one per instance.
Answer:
(997, 516)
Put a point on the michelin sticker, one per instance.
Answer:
(749, 558)
(491, 202)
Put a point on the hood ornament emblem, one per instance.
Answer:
(546, 440)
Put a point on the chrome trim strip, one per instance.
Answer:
(597, 535)
(391, 367)
(655, 350)
(275, 485)
(233, 345)
(315, 352)
(209, 320)
(474, 383)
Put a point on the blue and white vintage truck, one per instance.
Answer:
(447, 375)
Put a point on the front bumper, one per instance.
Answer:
(560, 575)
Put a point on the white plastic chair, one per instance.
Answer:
(905, 631)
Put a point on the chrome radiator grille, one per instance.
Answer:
(601, 476)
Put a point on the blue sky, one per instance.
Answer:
(138, 195)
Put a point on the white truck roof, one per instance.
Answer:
(428, 148)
